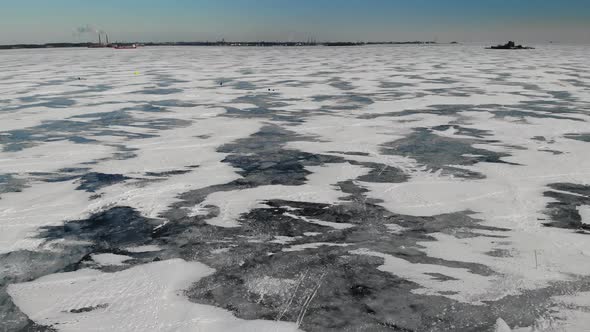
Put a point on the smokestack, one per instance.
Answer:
(99, 41)
(107, 38)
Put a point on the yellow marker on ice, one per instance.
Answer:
(136, 73)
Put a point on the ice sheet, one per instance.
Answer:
(448, 162)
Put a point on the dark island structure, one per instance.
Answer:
(510, 46)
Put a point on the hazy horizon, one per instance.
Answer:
(528, 21)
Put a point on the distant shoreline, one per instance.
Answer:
(228, 44)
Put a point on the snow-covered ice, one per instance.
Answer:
(146, 297)
(415, 188)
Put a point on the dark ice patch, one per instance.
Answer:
(263, 101)
(448, 92)
(81, 140)
(564, 211)
(10, 184)
(383, 174)
(351, 153)
(169, 173)
(464, 131)
(53, 102)
(330, 291)
(166, 80)
(88, 181)
(520, 111)
(523, 114)
(54, 177)
(344, 101)
(267, 106)
(92, 182)
(554, 152)
(73, 170)
(440, 153)
(244, 85)
(440, 277)
(579, 137)
(444, 110)
(172, 103)
(562, 95)
(34, 327)
(148, 108)
(502, 253)
(338, 83)
(159, 91)
(263, 160)
(264, 113)
(114, 228)
(394, 85)
(295, 83)
(99, 125)
(88, 309)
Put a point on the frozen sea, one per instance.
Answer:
(376, 188)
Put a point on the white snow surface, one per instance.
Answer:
(110, 259)
(585, 214)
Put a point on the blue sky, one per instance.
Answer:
(173, 20)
